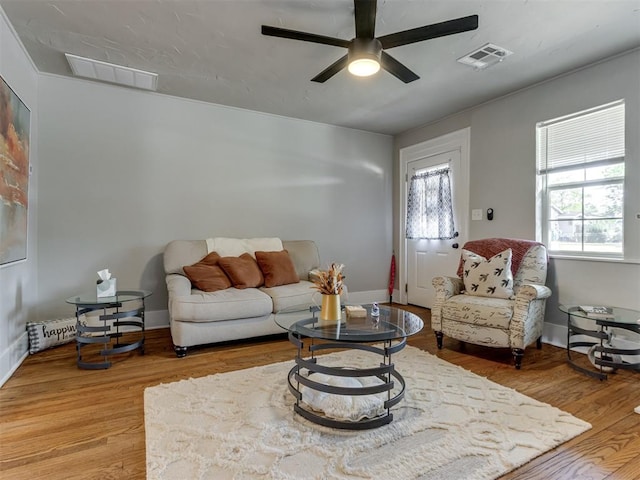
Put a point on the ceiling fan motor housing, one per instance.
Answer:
(365, 48)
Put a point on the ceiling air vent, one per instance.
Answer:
(485, 56)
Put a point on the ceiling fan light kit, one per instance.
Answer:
(366, 53)
(364, 56)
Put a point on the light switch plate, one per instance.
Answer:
(476, 214)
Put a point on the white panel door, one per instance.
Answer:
(431, 258)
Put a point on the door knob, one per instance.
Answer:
(455, 245)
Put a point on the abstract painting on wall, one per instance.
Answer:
(14, 175)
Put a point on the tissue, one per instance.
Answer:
(106, 286)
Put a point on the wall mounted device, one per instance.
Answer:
(489, 213)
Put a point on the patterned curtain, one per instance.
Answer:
(430, 210)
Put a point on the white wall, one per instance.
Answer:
(123, 172)
(18, 286)
(503, 173)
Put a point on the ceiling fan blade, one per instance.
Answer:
(365, 12)
(427, 32)
(395, 68)
(304, 36)
(331, 70)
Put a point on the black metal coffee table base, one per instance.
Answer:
(303, 370)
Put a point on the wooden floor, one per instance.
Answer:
(58, 422)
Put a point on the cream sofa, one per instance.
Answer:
(200, 318)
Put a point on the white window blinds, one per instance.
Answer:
(590, 136)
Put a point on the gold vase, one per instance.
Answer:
(330, 310)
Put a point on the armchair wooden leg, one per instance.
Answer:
(518, 353)
(539, 343)
(439, 340)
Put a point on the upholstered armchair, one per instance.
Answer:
(498, 298)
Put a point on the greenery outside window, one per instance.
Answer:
(580, 182)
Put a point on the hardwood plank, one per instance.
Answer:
(59, 422)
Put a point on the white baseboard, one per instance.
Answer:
(555, 335)
(552, 334)
(13, 357)
(370, 296)
(17, 352)
(156, 319)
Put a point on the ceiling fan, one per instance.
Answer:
(366, 52)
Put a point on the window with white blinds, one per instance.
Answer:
(595, 135)
(580, 164)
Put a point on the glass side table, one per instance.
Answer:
(599, 338)
(111, 322)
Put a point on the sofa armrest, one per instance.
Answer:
(178, 285)
(533, 291)
(528, 314)
(446, 287)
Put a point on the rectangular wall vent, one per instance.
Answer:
(485, 56)
(109, 72)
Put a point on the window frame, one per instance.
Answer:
(544, 216)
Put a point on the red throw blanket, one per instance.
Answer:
(488, 247)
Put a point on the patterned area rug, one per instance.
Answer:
(452, 424)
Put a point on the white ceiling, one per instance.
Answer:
(212, 50)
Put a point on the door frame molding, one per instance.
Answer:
(459, 140)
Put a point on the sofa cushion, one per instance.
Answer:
(277, 268)
(480, 311)
(487, 278)
(206, 275)
(229, 304)
(243, 271)
(292, 297)
(234, 247)
(179, 253)
(304, 255)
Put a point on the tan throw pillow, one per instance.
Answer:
(206, 275)
(277, 268)
(487, 278)
(243, 271)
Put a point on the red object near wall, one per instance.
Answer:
(392, 277)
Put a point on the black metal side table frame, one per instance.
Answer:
(103, 334)
(601, 334)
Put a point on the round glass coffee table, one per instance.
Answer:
(381, 335)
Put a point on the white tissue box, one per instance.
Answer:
(107, 288)
(355, 311)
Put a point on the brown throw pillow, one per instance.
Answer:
(277, 268)
(206, 275)
(243, 271)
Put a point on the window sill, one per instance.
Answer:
(559, 256)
